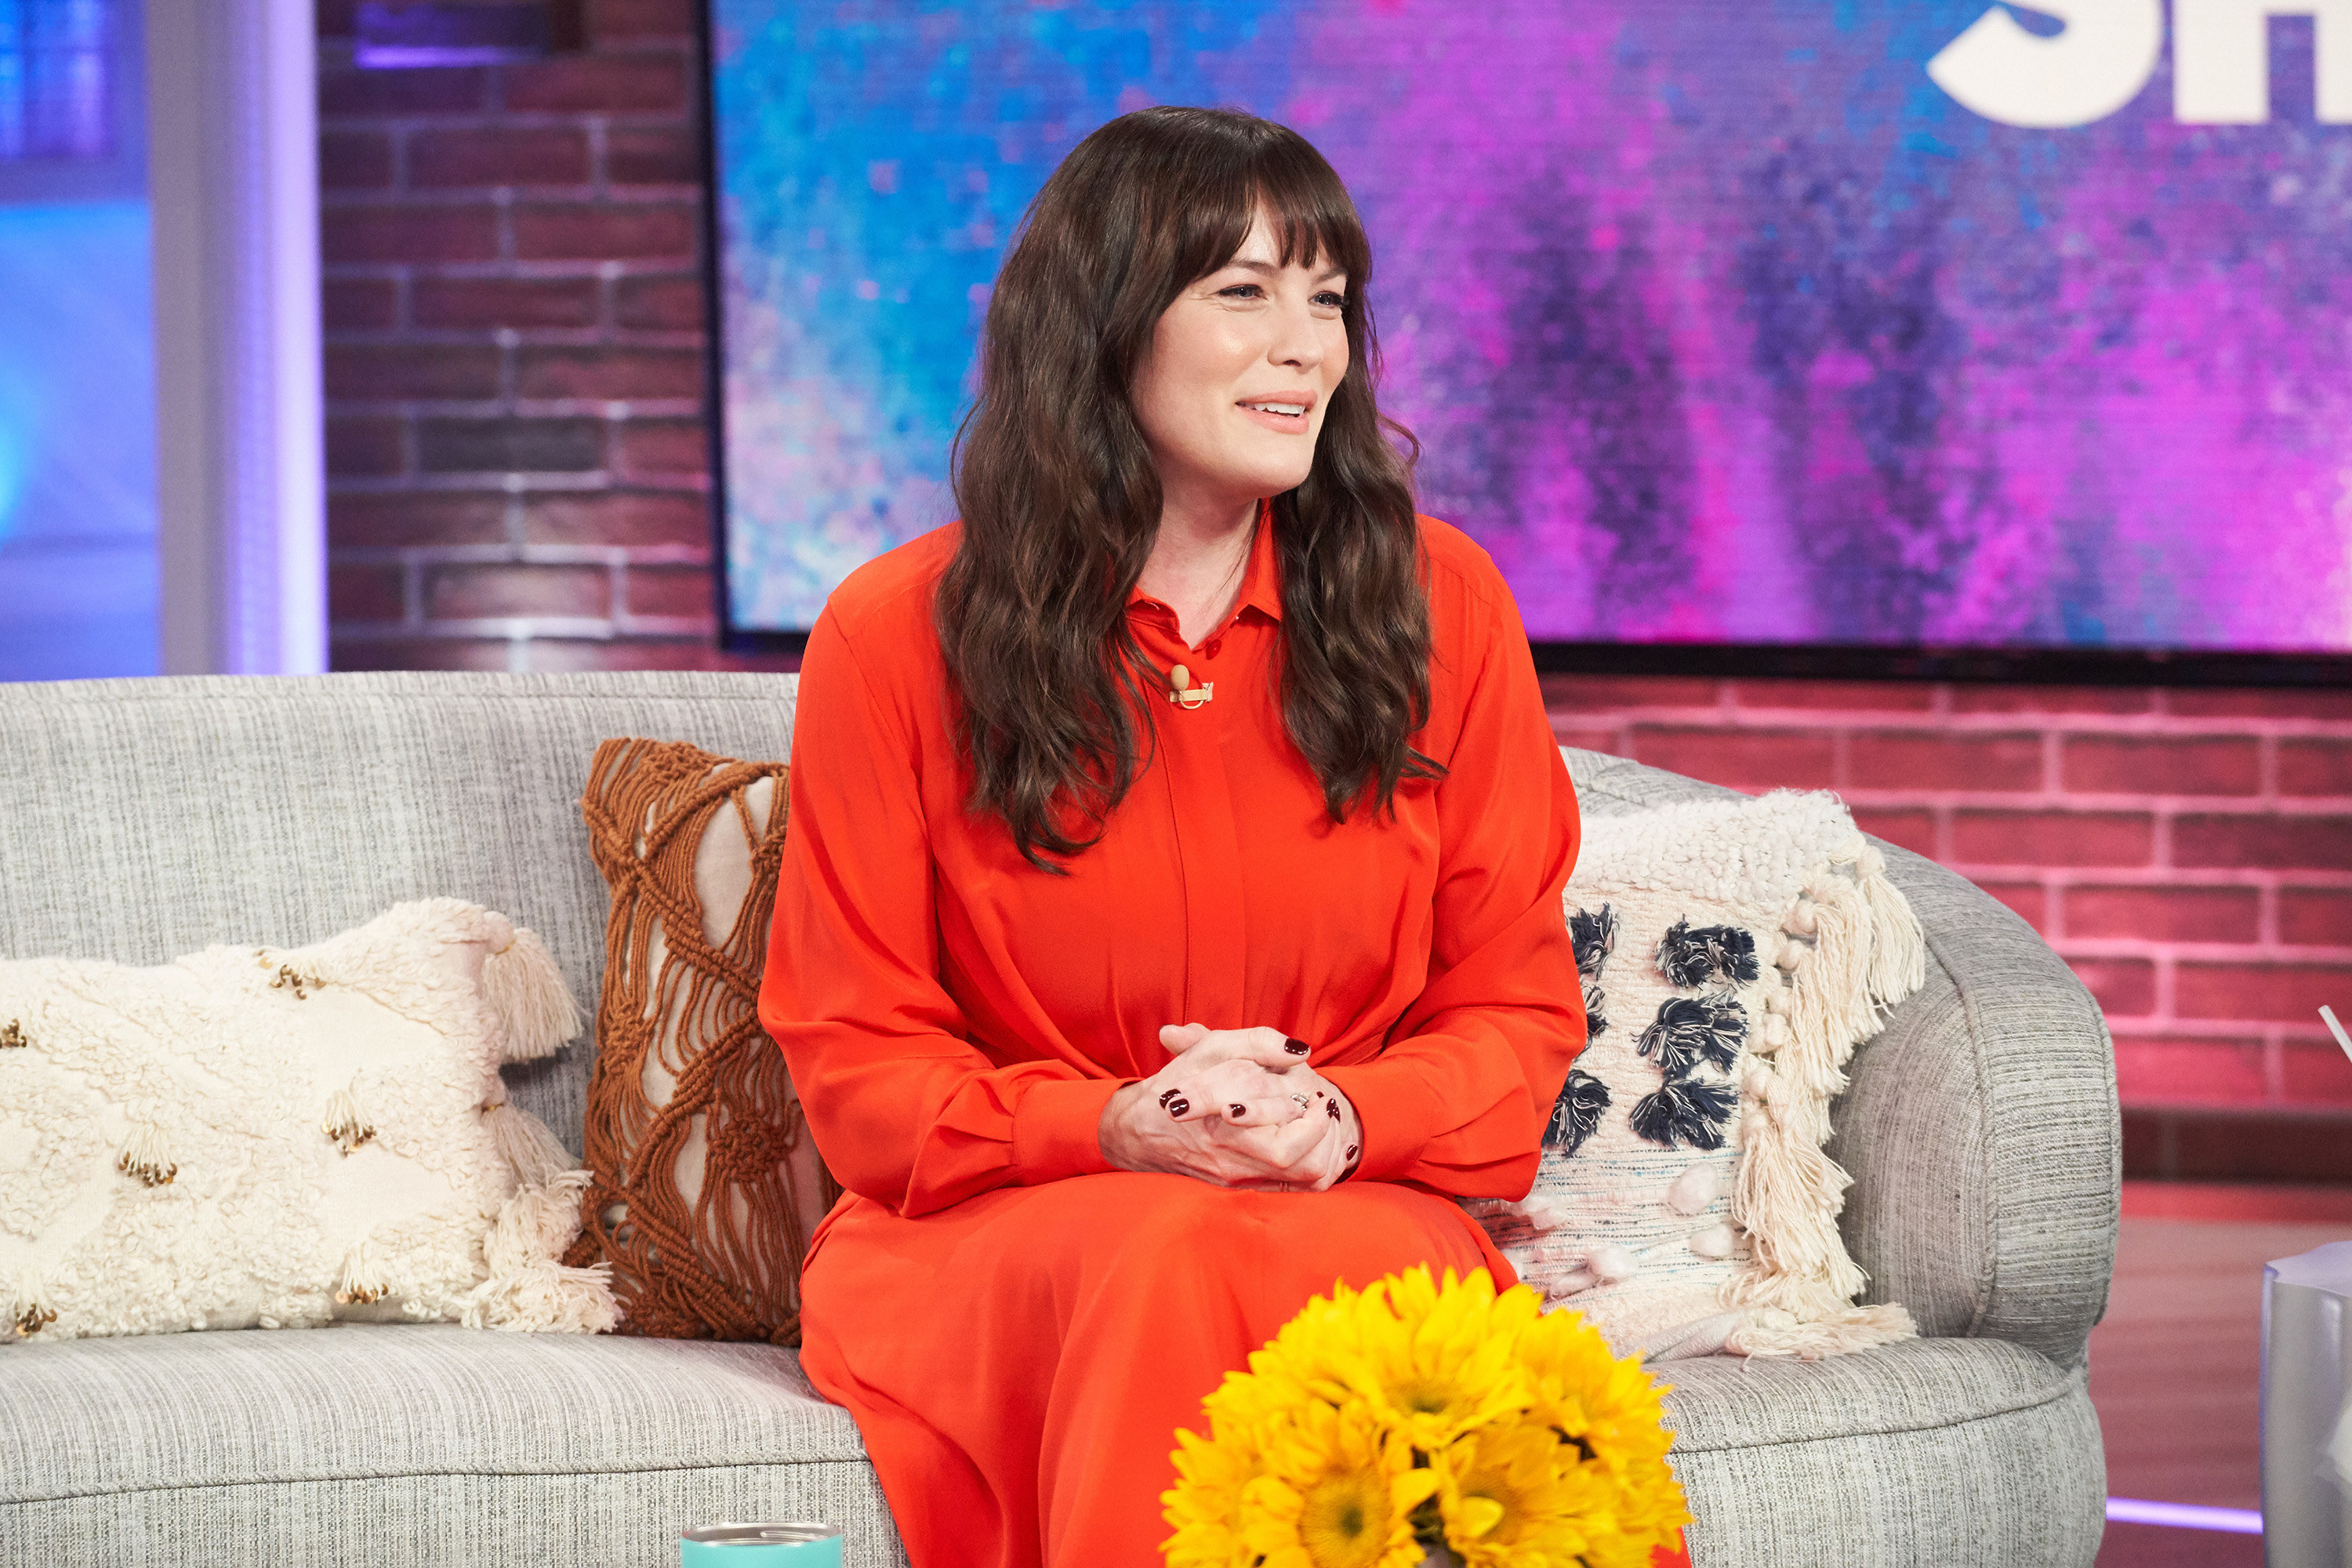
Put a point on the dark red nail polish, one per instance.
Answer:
(1239, 1111)
(1333, 1107)
(1179, 1106)
(1168, 1094)
(1296, 1047)
(1351, 1151)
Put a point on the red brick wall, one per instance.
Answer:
(2189, 852)
(517, 478)
(517, 470)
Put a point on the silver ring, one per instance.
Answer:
(1301, 1100)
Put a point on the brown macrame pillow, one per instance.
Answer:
(707, 1183)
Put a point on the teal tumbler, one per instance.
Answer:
(795, 1544)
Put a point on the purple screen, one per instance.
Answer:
(1795, 321)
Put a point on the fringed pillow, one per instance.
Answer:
(708, 1184)
(1734, 954)
(279, 1138)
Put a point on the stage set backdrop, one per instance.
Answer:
(1892, 322)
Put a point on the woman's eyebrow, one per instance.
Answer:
(1268, 268)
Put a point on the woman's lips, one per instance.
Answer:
(1288, 424)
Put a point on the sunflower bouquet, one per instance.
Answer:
(1383, 1428)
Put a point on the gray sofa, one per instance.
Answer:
(143, 819)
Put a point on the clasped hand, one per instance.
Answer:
(1235, 1107)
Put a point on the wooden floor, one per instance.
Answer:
(2175, 1365)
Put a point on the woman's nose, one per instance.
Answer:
(1296, 344)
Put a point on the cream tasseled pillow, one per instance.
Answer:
(1734, 953)
(258, 1137)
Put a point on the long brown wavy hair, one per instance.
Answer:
(1061, 501)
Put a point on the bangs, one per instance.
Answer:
(1311, 217)
(1150, 205)
(1241, 168)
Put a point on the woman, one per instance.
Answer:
(1169, 922)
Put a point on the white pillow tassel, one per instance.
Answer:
(1836, 1332)
(1898, 946)
(1699, 1186)
(524, 1141)
(1786, 1197)
(1839, 973)
(146, 1157)
(26, 1315)
(529, 1288)
(525, 989)
(362, 1282)
(342, 1122)
(1611, 1264)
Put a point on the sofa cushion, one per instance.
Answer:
(447, 1446)
(1926, 1454)
(443, 1445)
(1722, 1403)
(84, 1418)
(2024, 1489)
(415, 1444)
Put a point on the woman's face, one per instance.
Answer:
(1232, 395)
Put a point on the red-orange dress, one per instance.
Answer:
(1019, 1328)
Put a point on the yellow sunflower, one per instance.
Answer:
(1612, 1413)
(1205, 1504)
(1333, 1494)
(1517, 1496)
(1431, 1361)
(1518, 1434)
(1309, 1357)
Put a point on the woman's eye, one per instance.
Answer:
(1331, 301)
(1241, 291)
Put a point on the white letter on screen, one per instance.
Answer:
(2105, 55)
(2222, 58)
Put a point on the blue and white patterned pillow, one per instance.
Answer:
(1734, 953)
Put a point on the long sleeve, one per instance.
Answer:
(907, 1110)
(1458, 1101)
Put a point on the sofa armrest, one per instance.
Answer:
(1982, 1131)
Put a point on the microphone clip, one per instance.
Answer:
(1184, 693)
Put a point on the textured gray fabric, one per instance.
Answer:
(150, 818)
(631, 1519)
(359, 1400)
(414, 1444)
(1722, 1403)
(1921, 1228)
(1981, 1124)
(2023, 1487)
(2047, 1175)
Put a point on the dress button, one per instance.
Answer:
(1214, 644)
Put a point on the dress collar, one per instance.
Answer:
(1262, 586)
(1260, 579)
